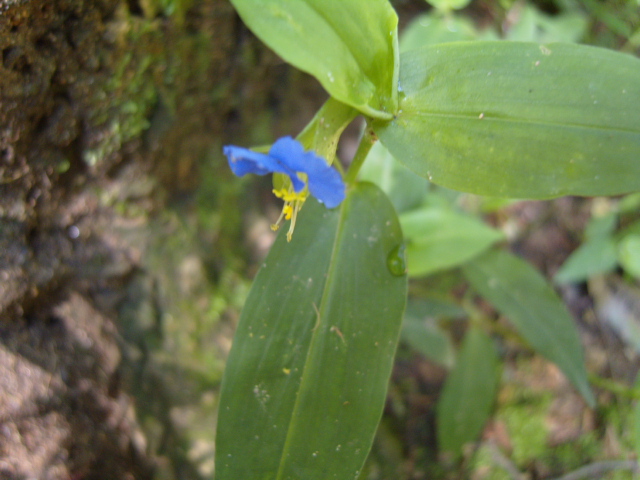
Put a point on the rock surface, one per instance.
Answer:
(108, 111)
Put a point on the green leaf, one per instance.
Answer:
(448, 4)
(468, 393)
(350, 47)
(522, 294)
(636, 429)
(306, 379)
(601, 226)
(636, 420)
(592, 258)
(629, 254)
(632, 229)
(519, 120)
(432, 28)
(629, 203)
(421, 332)
(438, 238)
(435, 307)
(598, 254)
(404, 188)
(424, 336)
(536, 26)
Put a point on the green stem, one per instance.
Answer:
(367, 141)
(338, 166)
(606, 16)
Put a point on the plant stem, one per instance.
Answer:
(598, 469)
(366, 142)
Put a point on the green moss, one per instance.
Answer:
(123, 105)
(619, 416)
(63, 166)
(525, 421)
(176, 9)
(572, 455)
(484, 466)
(621, 475)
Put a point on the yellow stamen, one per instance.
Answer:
(296, 208)
(292, 204)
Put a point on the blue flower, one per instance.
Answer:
(308, 173)
(288, 156)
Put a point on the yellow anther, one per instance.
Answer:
(292, 204)
(291, 195)
(280, 193)
(288, 211)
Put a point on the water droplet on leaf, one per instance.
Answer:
(396, 262)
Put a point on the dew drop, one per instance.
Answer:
(73, 232)
(396, 262)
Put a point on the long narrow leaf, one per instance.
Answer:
(518, 291)
(469, 393)
(306, 378)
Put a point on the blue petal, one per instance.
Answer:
(325, 183)
(243, 161)
(291, 153)
(327, 186)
